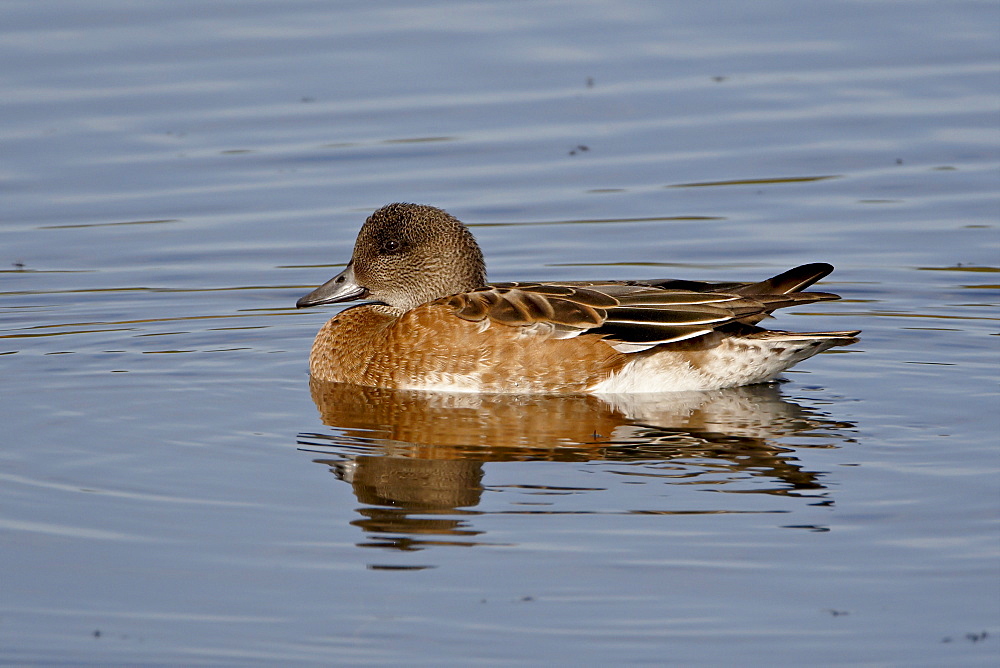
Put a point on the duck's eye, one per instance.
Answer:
(391, 246)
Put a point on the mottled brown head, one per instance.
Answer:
(407, 255)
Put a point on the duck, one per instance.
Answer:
(430, 320)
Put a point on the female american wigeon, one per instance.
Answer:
(432, 322)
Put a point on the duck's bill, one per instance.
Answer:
(340, 288)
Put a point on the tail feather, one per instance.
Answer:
(835, 338)
(793, 280)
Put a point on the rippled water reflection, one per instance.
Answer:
(414, 454)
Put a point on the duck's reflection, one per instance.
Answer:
(410, 456)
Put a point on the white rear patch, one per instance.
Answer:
(732, 363)
(646, 375)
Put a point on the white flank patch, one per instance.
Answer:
(734, 362)
(644, 376)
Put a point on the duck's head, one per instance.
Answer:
(406, 255)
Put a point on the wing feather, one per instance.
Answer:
(637, 315)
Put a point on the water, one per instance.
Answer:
(175, 176)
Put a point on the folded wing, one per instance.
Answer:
(636, 315)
